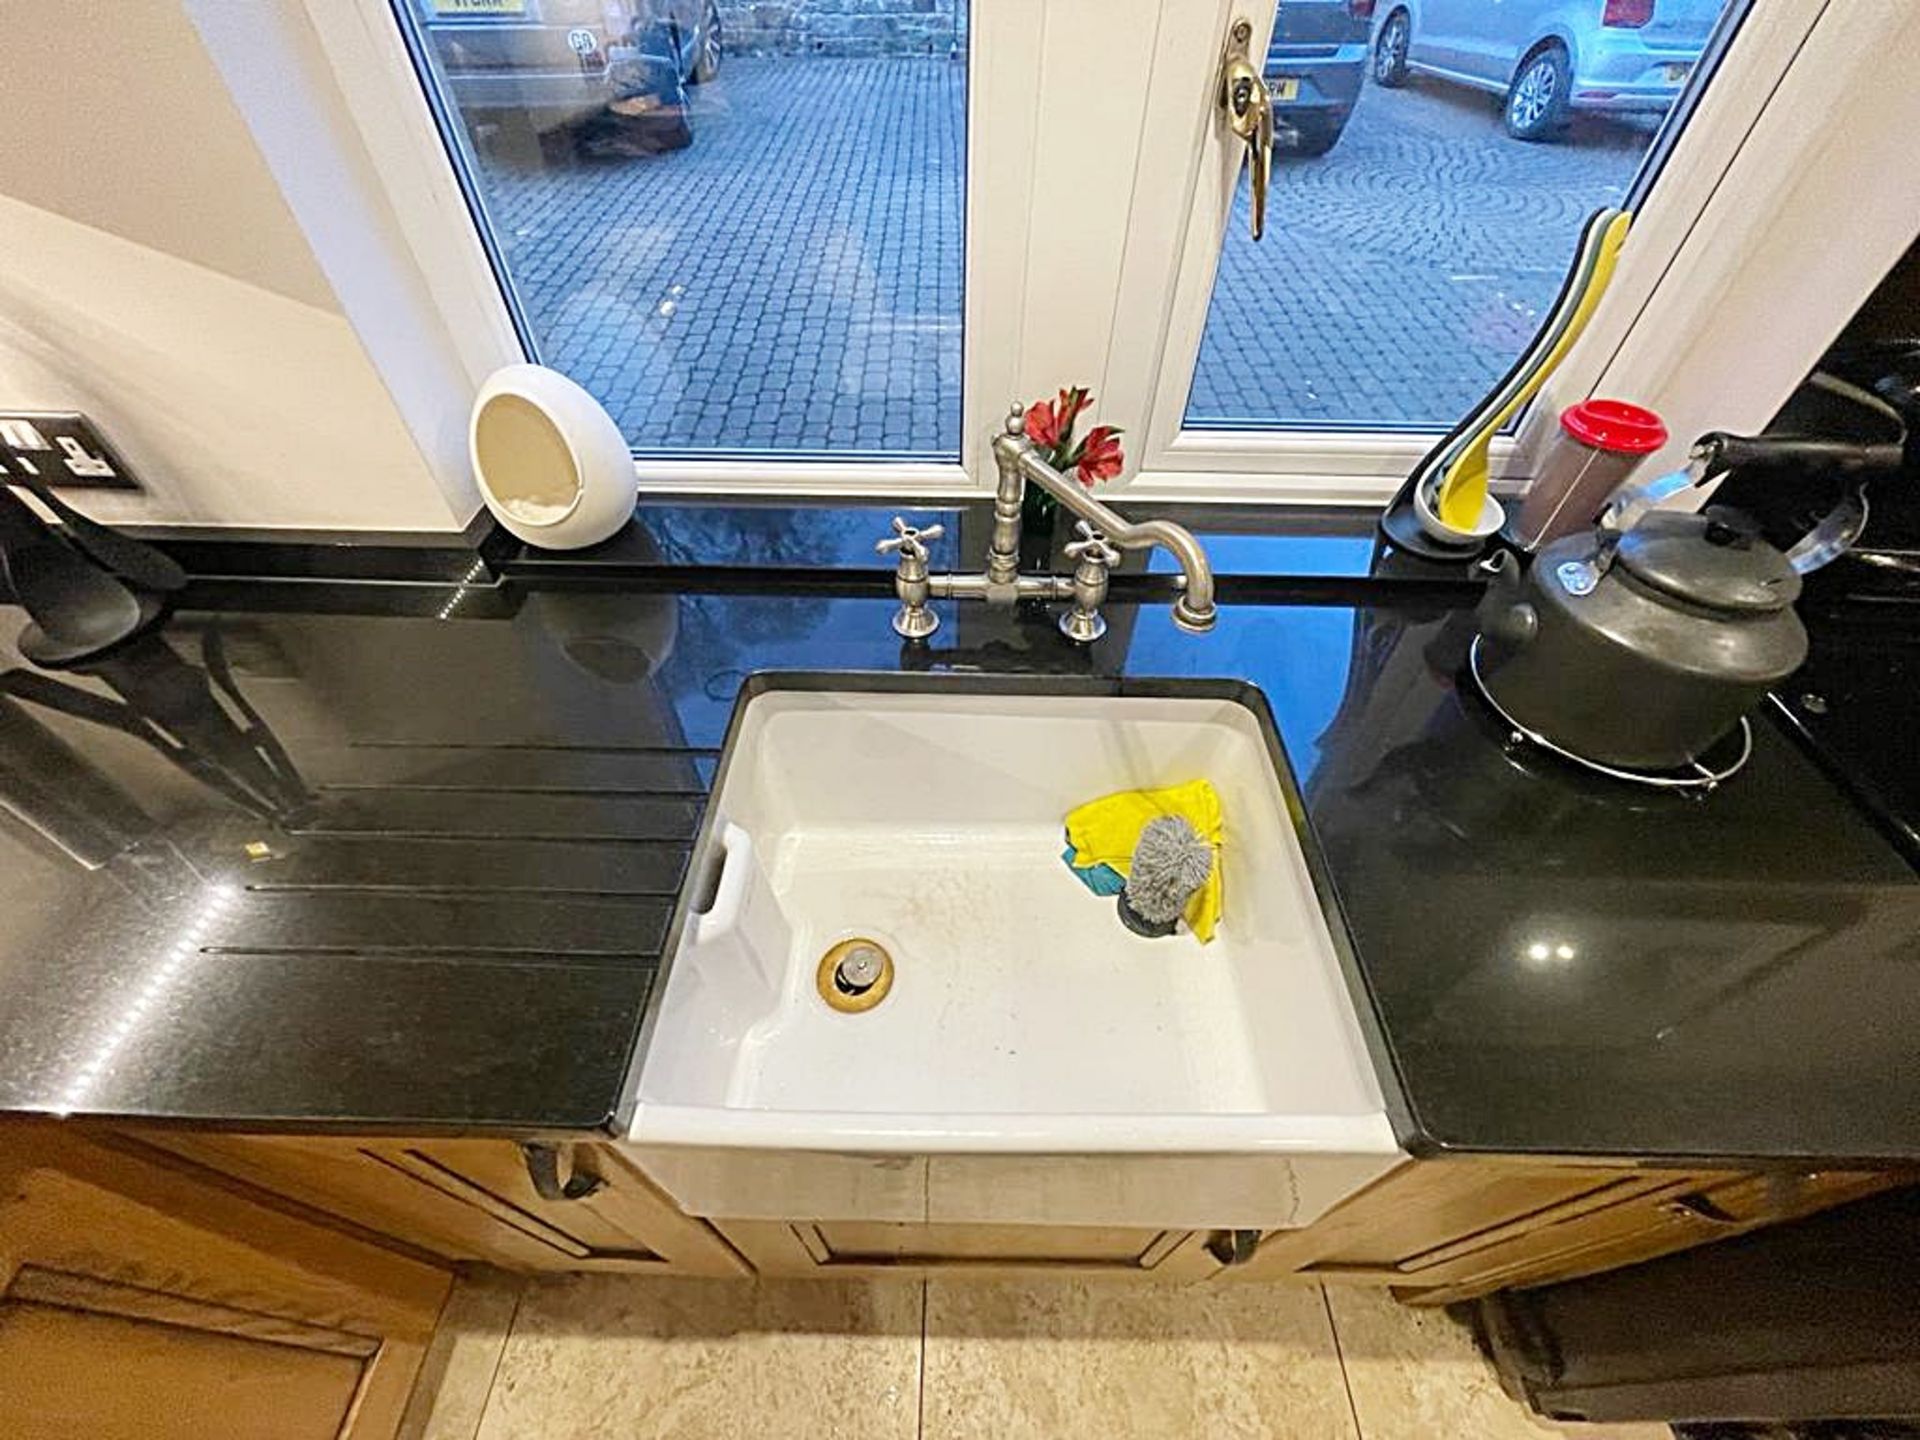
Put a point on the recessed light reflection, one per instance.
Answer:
(1548, 954)
(141, 1002)
(462, 590)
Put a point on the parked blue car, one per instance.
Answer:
(1548, 58)
(1315, 66)
(595, 64)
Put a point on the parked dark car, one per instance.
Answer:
(553, 63)
(1315, 65)
(1549, 58)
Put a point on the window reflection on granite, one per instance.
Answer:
(766, 537)
(1296, 655)
(1267, 542)
(725, 638)
(1399, 660)
(1233, 553)
(613, 636)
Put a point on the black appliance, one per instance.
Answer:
(1810, 1322)
(1855, 701)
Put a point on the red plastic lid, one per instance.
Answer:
(1614, 425)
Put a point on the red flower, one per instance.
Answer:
(1049, 424)
(1043, 426)
(1099, 458)
(1071, 403)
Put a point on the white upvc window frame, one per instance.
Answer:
(1098, 189)
(387, 106)
(1732, 209)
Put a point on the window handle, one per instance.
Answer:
(1249, 113)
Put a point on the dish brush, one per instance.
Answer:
(1170, 862)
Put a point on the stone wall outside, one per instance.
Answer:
(844, 27)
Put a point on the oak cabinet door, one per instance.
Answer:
(478, 1199)
(169, 1379)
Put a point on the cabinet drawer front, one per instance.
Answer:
(493, 1174)
(1677, 1217)
(1622, 1196)
(1425, 1210)
(367, 1186)
(475, 1199)
(810, 1247)
(860, 1242)
(1767, 1199)
(624, 1218)
(574, 1237)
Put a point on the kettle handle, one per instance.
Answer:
(1630, 504)
(1715, 453)
(1833, 535)
(1806, 453)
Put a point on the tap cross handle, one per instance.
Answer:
(1092, 545)
(909, 540)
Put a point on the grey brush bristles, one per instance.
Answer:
(1170, 862)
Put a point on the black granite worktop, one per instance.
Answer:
(404, 856)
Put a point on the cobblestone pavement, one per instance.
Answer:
(1403, 271)
(792, 280)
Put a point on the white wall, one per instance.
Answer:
(153, 276)
(1809, 194)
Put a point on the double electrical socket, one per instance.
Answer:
(59, 449)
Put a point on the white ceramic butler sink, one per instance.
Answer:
(1033, 1060)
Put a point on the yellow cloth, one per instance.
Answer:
(1104, 832)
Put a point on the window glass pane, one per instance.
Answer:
(738, 223)
(1434, 161)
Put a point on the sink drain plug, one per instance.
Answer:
(855, 975)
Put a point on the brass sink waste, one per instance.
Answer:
(855, 975)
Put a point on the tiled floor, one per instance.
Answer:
(614, 1356)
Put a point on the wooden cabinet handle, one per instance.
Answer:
(1233, 1247)
(1699, 1207)
(543, 1169)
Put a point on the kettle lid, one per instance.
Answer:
(1715, 560)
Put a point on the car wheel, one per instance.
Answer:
(1390, 51)
(674, 131)
(1536, 106)
(507, 137)
(706, 65)
(612, 136)
(1316, 138)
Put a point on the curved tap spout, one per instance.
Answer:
(1021, 464)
